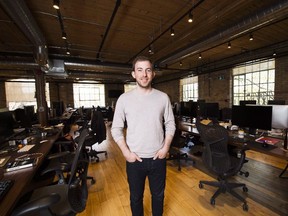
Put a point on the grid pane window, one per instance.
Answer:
(20, 93)
(189, 89)
(254, 81)
(88, 95)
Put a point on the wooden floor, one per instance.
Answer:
(109, 196)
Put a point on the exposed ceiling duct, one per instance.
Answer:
(256, 21)
(22, 16)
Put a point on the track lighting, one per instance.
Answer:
(200, 56)
(180, 64)
(251, 37)
(274, 53)
(67, 51)
(56, 4)
(190, 18)
(229, 45)
(64, 37)
(172, 33)
(151, 52)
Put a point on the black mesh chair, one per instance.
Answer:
(177, 144)
(97, 135)
(218, 161)
(61, 199)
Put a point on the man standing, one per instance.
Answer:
(150, 130)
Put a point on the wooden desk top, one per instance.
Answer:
(23, 177)
(276, 150)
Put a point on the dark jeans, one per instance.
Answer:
(137, 173)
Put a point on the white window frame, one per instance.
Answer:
(254, 81)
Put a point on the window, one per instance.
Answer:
(254, 81)
(189, 89)
(128, 87)
(88, 95)
(20, 93)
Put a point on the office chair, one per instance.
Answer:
(61, 199)
(177, 143)
(97, 134)
(61, 162)
(218, 161)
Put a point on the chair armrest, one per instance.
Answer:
(57, 155)
(36, 205)
(62, 167)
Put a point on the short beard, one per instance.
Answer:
(145, 87)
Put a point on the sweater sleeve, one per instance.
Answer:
(169, 120)
(118, 121)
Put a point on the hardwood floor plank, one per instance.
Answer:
(267, 194)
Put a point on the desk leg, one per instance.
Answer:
(284, 170)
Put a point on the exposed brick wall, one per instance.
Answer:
(215, 87)
(171, 88)
(62, 92)
(281, 79)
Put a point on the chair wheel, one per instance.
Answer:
(93, 181)
(212, 201)
(200, 185)
(245, 207)
(245, 189)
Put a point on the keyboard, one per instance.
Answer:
(5, 186)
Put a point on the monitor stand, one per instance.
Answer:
(252, 131)
(285, 138)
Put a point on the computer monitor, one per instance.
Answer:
(189, 109)
(276, 102)
(209, 110)
(280, 116)
(252, 117)
(23, 118)
(246, 102)
(6, 125)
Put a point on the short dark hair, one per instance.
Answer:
(141, 58)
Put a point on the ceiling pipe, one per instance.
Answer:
(98, 67)
(118, 2)
(258, 20)
(20, 14)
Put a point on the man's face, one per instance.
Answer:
(143, 73)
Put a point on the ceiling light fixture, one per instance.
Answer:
(64, 36)
(172, 33)
(151, 52)
(68, 51)
(274, 53)
(229, 45)
(56, 4)
(251, 37)
(190, 18)
(200, 56)
(180, 64)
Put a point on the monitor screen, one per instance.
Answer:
(6, 125)
(276, 102)
(188, 109)
(209, 110)
(245, 102)
(280, 116)
(253, 117)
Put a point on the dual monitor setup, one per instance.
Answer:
(10, 120)
(195, 109)
(247, 115)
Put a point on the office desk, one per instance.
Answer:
(276, 150)
(23, 177)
